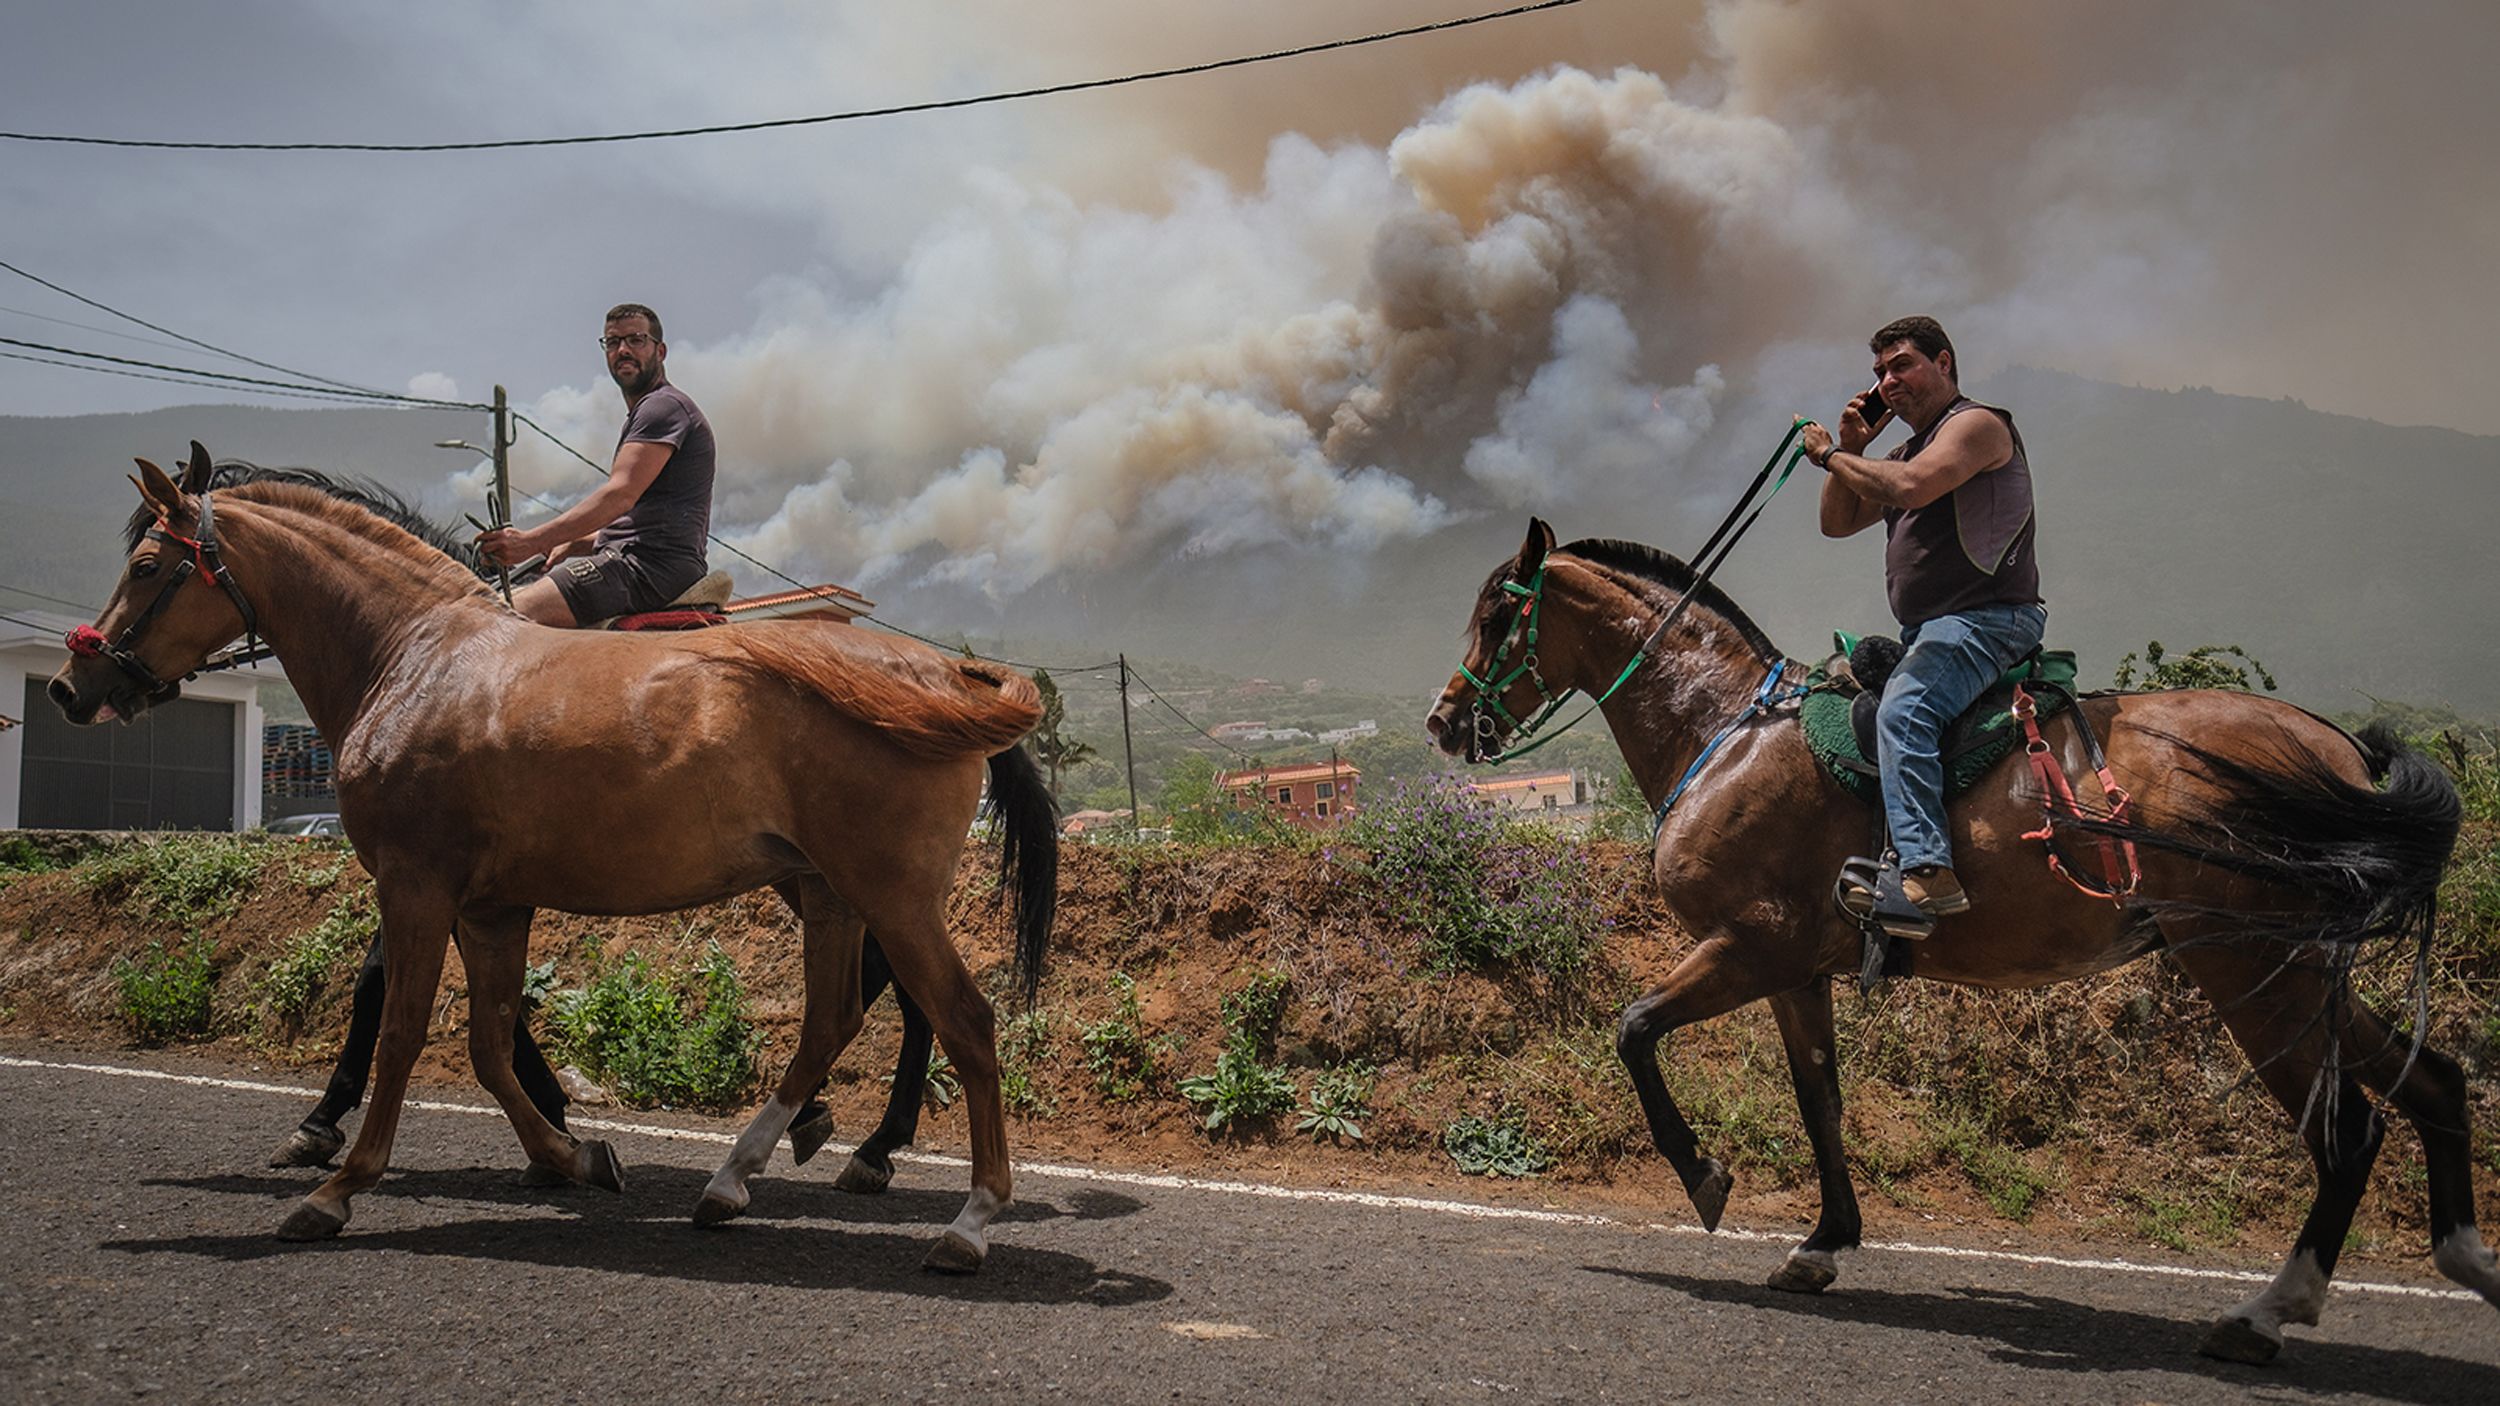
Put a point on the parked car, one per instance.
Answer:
(325, 823)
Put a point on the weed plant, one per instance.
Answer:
(306, 963)
(1124, 1061)
(1495, 1147)
(1024, 1046)
(683, 1042)
(1244, 1087)
(1340, 1099)
(179, 881)
(165, 991)
(941, 1087)
(1480, 889)
(19, 857)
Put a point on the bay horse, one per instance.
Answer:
(488, 767)
(2268, 849)
(317, 1138)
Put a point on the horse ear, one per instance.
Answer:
(1540, 541)
(195, 474)
(157, 489)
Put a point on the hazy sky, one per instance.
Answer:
(1339, 300)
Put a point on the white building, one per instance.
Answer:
(192, 764)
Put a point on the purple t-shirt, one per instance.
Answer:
(668, 525)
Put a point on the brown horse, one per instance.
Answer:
(2268, 851)
(488, 767)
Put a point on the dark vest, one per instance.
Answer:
(1970, 548)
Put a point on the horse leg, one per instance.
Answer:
(1805, 1021)
(2277, 1014)
(833, 1014)
(1708, 982)
(417, 922)
(2429, 1089)
(812, 1127)
(495, 947)
(872, 1166)
(317, 1139)
(929, 969)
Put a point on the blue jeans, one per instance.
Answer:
(1952, 659)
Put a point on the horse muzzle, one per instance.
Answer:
(112, 698)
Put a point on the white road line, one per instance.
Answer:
(1373, 1200)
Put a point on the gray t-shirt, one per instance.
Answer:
(668, 525)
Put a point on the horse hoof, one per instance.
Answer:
(600, 1167)
(717, 1210)
(1805, 1272)
(310, 1222)
(864, 1178)
(541, 1178)
(2241, 1340)
(1710, 1193)
(308, 1147)
(953, 1254)
(808, 1136)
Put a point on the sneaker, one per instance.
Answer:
(1935, 890)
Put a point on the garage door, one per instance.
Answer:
(173, 769)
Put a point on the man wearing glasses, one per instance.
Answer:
(639, 540)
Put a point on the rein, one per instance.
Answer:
(87, 642)
(1488, 705)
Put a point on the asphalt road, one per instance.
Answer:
(137, 1263)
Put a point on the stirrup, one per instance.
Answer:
(1869, 894)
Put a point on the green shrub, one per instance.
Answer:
(629, 1028)
(1497, 1147)
(1479, 888)
(20, 856)
(1244, 1086)
(165, 991)
(2206, 666)
(180, 881)
(1024, 1045)
(304, 966)
(1340, 1098)
(1124, 1061)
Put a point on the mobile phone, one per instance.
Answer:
(1873, 409)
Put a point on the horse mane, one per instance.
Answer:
(384, 503)
(1652, 565)
(929, 703)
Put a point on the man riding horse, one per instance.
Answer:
(1959, 568)
(651, 519)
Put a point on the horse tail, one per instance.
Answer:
(1028, 858)
(2361, 863)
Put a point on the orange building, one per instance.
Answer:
(1309, 796)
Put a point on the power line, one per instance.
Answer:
(899, 110)
(56, 600)
(177, 336)
(1184, 717)
(295, 386)
(325, 397)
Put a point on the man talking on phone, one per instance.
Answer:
(1959, 569)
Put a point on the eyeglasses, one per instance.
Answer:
(636, 340)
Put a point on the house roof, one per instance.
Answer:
(1300, 771)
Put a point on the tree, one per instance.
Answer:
(1050, 745)
(2206, 666)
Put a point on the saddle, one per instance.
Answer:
(1843, 693)
(696, 607)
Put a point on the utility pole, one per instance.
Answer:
(1135, 818)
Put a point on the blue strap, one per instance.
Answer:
(1770, 695)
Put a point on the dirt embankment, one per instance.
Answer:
(2114, 1106)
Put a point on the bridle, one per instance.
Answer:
(1488, 716)
(87, 642)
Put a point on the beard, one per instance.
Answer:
(640, 382)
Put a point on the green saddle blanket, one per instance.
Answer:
(1973, 745)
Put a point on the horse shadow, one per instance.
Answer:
(2046, 1334)
(780, 1242)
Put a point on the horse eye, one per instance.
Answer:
(143, 568)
